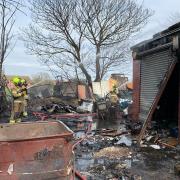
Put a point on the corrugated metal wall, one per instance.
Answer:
(153, 69)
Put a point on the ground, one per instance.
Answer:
(101, 157)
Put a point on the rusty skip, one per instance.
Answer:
(36, 150)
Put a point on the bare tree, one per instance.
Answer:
(54, 33)
(110, 23)
(86, 35)
(8, 8)
(41, 79)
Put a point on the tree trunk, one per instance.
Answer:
(77, 77)
(98, 68)
(2, 42)
(1, 72)
(89, 80)
(88, 77)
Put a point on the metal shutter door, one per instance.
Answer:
(153, 69)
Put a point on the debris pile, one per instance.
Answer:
(125, 141)
(58, 108)
(86, 106)
(160, 137)
(98, 157)
(113, 152)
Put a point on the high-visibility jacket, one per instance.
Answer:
(114, 98)
(24, 91)
(17, 93)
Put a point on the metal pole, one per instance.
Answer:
(179, 104)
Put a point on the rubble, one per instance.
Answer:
(155, 146)
(100, 156)
(113, 152)
(169, 142)
(124, 141)
(58, 108)
(86, 106)
(177, 168)
(148, 138)
(112, 132)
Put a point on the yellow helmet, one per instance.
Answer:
(16, 80)
(23, 81)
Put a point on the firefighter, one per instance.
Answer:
(17, 94)
(113, 96)
(25, 96)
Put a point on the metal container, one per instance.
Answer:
(36, 151)
(101, 105)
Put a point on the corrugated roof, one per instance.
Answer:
(174, 29)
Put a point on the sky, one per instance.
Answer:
(20, 63)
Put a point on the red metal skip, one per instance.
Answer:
(36, 151)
